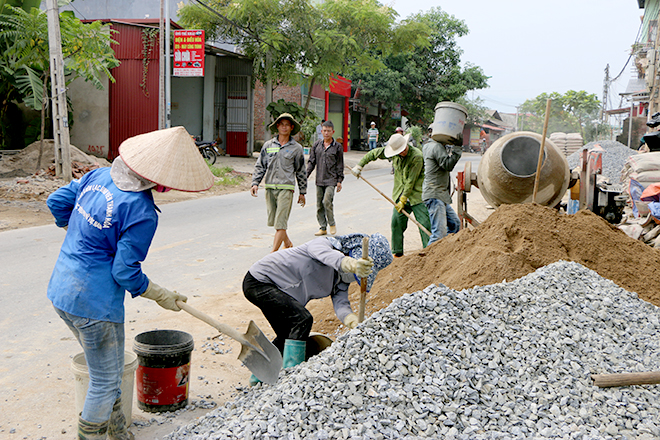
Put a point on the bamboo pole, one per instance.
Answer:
(539, 165)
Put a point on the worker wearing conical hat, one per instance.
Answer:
(408, 164)
(111, 218)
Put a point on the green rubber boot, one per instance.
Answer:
(294, 353)
(254, 380)
(92, 431)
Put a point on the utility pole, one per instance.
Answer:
(606, 86)
(168, 79)
(58, 94)
(268, 98)
(161, 67)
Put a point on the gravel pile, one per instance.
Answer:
(509, 360)
(614, 158)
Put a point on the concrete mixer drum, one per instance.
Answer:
(507, 171)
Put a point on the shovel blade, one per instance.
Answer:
(265, 363)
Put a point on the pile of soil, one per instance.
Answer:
(514, 241)
(24, 163)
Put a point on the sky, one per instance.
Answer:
(528, 47)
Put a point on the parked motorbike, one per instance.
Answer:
(208, 150)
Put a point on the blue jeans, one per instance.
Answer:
(443, 219)
(103, 344)
(372, 144)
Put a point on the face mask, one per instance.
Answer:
(162, 189)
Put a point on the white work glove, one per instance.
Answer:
(356, 170)
(351, 320)
(361, 267)
(165, 298)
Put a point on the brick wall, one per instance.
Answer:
(287, 93)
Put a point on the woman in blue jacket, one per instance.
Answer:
(111, 218)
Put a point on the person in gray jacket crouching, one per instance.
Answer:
(282, 283)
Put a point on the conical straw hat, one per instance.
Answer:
(168, 157)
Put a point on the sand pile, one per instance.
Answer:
(514, 241)
(25, 163)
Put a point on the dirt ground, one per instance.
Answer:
(217, 375)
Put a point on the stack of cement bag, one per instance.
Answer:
(559, 139)
(641, 177)
(574, 143)
(640, 172)
(568, 143)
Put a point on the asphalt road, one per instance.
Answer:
(202, 247)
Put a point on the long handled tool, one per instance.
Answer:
(258, 354)
(363, 281)
(426, 231)
(626, 379)
(539, 164)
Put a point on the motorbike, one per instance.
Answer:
(208, 150)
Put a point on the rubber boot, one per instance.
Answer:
(254, 380)
(91, 431)
(294, 353)
(117, 429)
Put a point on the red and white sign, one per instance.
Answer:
(188, 52)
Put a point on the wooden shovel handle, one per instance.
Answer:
(626, 379)
(222, 328)
(363, 281)
(410, 217)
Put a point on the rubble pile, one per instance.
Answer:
(509, 360)
(514, 241)
(615, 155)
(25, 163)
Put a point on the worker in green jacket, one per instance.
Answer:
(408, 165)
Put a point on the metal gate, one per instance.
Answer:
(237, 115)
(220, 111)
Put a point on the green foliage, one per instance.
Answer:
(572, 112)
(308, 130)
(422, 76)
(477, 111)
(25, 59)
(417, 133)
(280, 106)
(226, 175)
(319, 38)
(308, 120)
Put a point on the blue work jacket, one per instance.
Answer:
(109, 234)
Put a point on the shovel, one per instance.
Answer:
(410, 217)
(363, 281)
(258, 354)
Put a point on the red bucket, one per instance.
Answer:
(163, 371)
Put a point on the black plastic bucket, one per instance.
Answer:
(163, 370)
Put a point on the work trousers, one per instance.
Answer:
(400, 223)
(103, 344)
(288, 318)
(444, 219)
(325, 211)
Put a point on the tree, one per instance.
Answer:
(421, 77)
(24, 60)
(318, 38)
(572, 112)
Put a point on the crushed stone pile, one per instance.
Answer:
(509, 360)
(514, 241)
(614, 158)
(24, 163)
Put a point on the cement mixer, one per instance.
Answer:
(507, 172)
